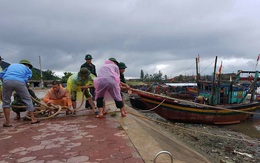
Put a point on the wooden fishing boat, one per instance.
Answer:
(219, 103)
(186, 111)
(137, 102)
(192, 91)
(187, 91)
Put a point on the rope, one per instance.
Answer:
(63, 107)
(154, 107)
(35, 100)
(207, 66)
(48, 109)
(16, 106)
(183, 72)
(191, 130)
(82, 101)
(57, 111)
(40, 103)
(193, 103)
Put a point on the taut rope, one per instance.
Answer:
(154, 107)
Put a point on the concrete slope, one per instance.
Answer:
(149, 139)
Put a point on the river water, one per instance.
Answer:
(250, 127)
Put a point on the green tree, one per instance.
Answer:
(157, 76)
(65, 77)
(146, 77)
(160, 75)
(142, 75)
(35, 75)
(165, 77)
(49, 75)
(179, 78)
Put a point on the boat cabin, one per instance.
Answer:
(231, 92)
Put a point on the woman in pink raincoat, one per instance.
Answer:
(108, 80)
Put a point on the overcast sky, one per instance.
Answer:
(148, 35)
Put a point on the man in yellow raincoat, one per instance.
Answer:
(80, 81)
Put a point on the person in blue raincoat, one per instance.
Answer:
(14, 78)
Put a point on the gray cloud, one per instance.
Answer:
(146, 35)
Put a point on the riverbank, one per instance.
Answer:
(219, 143)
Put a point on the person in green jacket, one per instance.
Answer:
(92, 68)
(18, 102)
(83, 80)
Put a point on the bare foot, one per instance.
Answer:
(123, 113)
(17, 117)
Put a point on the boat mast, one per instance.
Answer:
(213, 81)
(218, 87)
(197, 76)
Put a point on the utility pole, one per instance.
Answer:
(41, 84)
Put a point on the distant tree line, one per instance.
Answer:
(152, 77)
(157, 77)
(50, 75)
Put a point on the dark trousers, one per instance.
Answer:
(92, 92)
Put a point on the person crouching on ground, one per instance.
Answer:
(108, 80)
(58, 95)
(80, 81)
(18, 102)
(14, 78)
